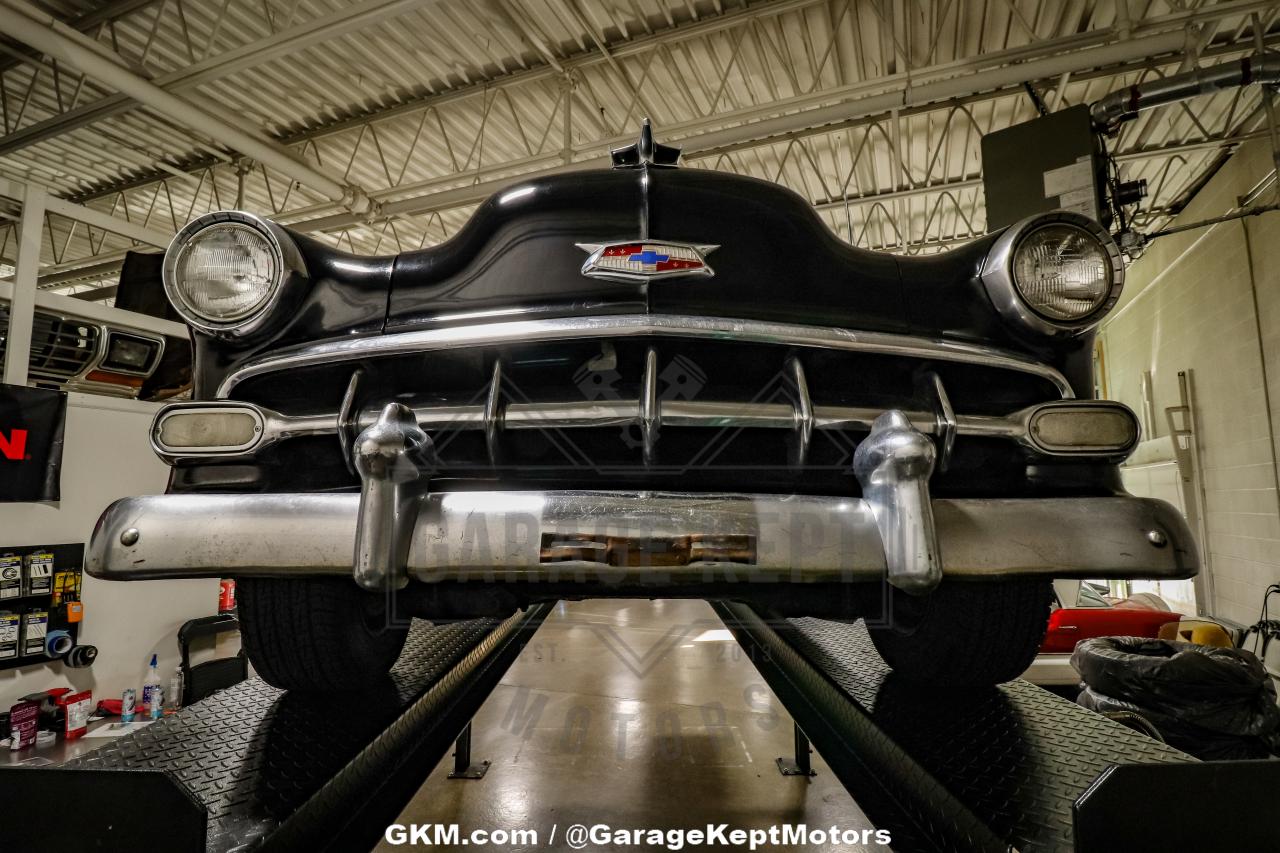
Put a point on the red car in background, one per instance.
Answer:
(1091, 615)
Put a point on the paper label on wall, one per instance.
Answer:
(10, 576)
(1072, 187)
(1065, 179)
(1080, 201)
(10, 625)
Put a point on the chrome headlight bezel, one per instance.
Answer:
(287, 260)
(1002, 288)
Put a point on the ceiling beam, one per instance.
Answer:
(1170, 23)
(700, 136)
(105, 265)
(58, 303)
(42, 35)
(859, 102)
(485, 88)
(97, 294)
(969, 183)
(276, 46)
(89, 216)
(499, 175)
(86, 22)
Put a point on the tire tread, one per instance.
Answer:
(311, 634)
(971, 633)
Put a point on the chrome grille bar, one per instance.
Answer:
(641, 325)
(609, 413)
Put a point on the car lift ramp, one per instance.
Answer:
(1007, 768)
(256, 768)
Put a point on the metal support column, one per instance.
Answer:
(462, 766)
(22, 307)
(800, 765)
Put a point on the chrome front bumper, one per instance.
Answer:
(641, 537)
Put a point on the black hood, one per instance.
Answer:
(774, 258)
(519, 257)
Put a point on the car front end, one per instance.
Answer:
(648, 381)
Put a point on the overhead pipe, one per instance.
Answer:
(1125, 104)
(45, 39)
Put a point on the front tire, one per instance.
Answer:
(965, 634)
(323, 634)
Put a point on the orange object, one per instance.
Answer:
(75, 611)
(114, 378)
(1202, 632)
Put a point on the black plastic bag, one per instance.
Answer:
(1199, 697)
(1202, 743)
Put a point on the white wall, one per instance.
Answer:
(1208, 301)
(1159, 479)
(106, 456)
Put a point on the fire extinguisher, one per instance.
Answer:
(226, 595)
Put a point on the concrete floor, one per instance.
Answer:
(635, 714)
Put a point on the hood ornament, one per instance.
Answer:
(646, 260)
(645, 152)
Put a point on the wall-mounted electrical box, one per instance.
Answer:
(1049, 163)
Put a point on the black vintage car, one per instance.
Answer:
(645, 381)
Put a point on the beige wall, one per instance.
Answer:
(106, 456)
(1197, 301)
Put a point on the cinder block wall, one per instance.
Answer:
(1208, 301)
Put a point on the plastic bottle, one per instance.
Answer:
(150, 685)
(173, 697)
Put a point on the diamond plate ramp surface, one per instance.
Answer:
(254, 754)
(1014, 755)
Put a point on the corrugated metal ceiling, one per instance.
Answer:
(410, 99)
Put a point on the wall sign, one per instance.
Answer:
(31, 427)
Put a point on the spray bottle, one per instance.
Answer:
(150, 685)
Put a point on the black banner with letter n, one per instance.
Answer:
(31, 426)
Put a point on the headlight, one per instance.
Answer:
(1054, 274)
(225, 271)
(1062, 271)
